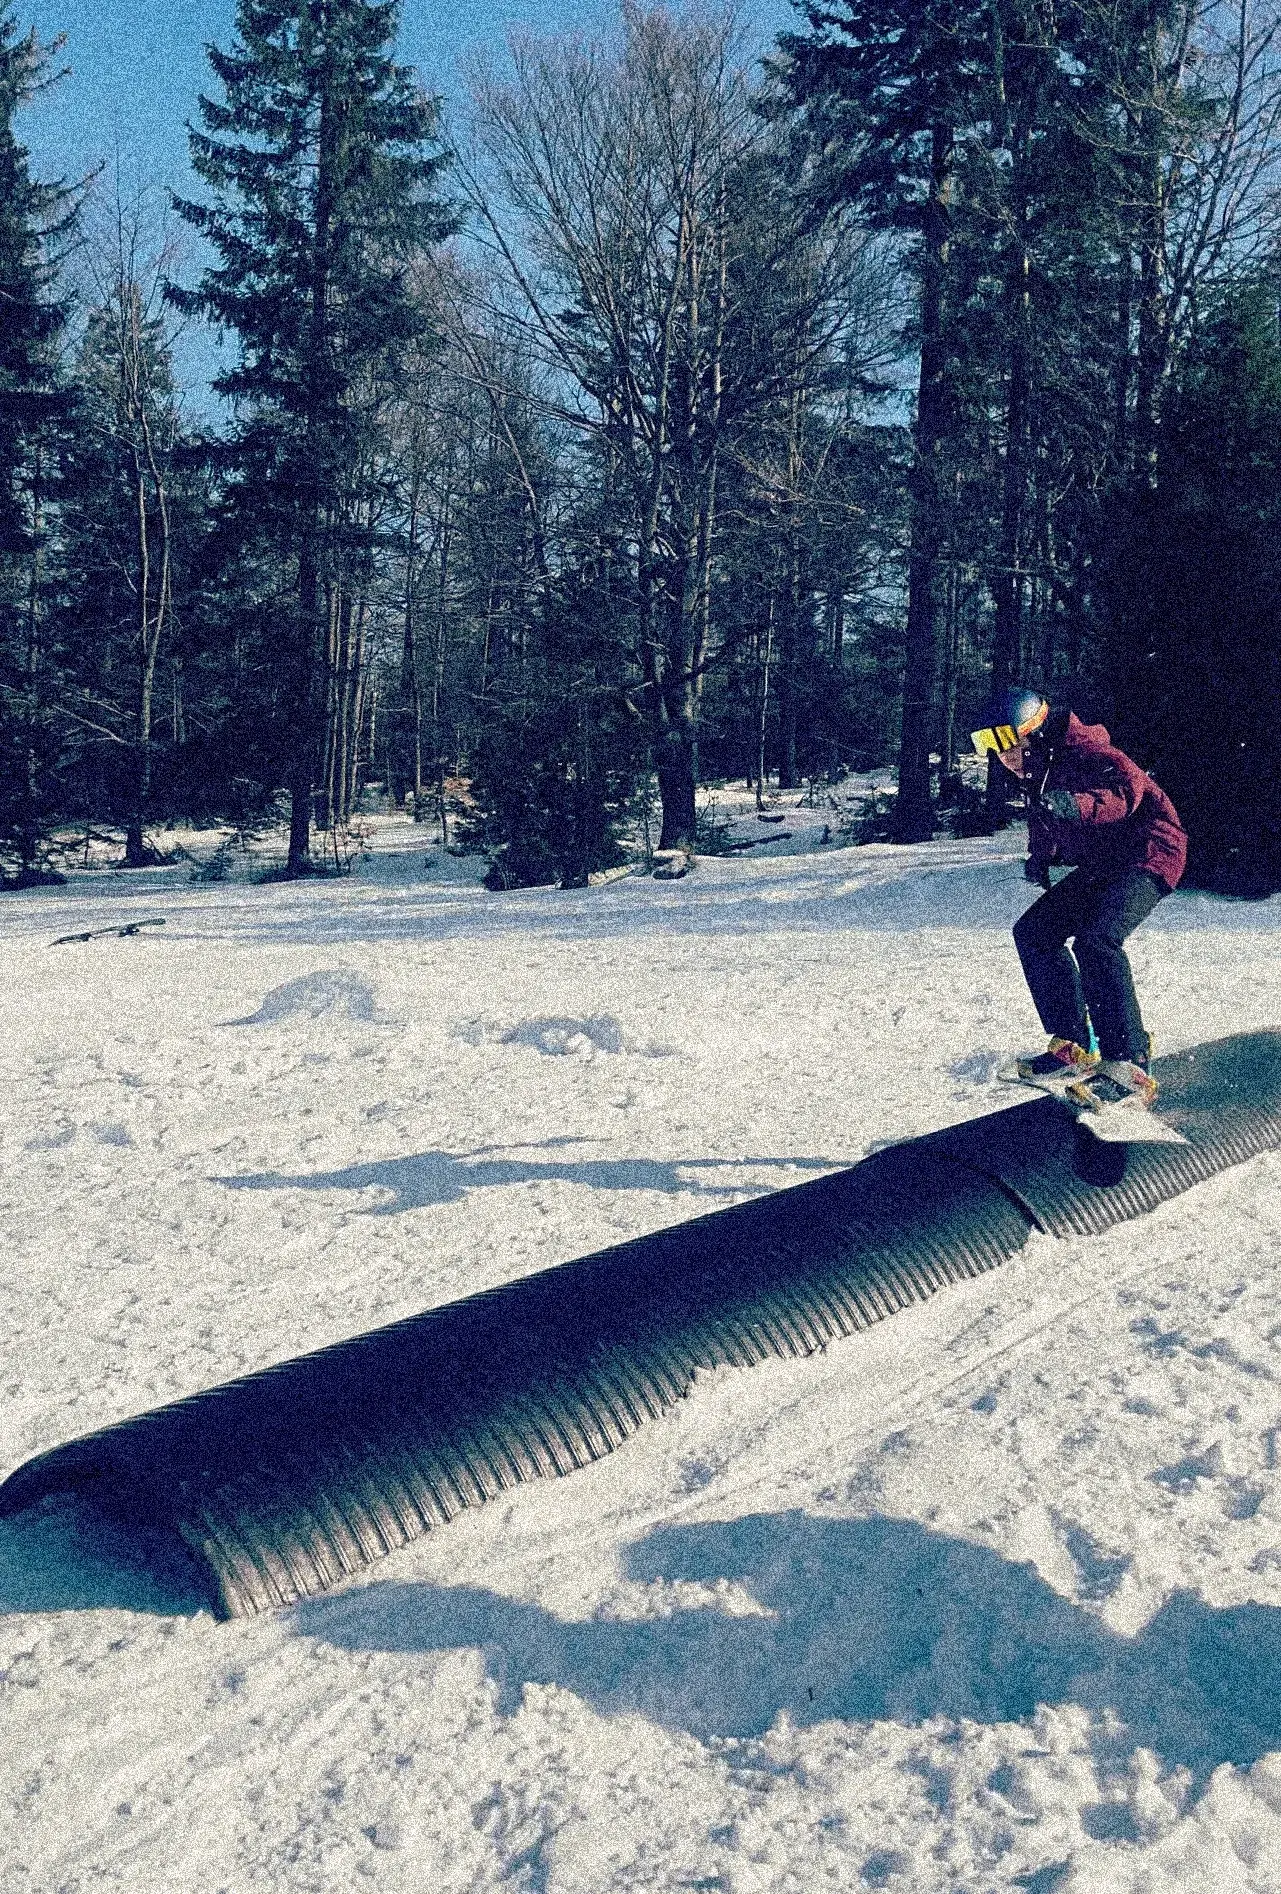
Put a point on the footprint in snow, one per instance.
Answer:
(568, 1038)
(559, 1037)
(112, 1134)
(976, 1068)
(52, 1140)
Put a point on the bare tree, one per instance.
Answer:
(129, 358)
(603, 176)
(1187, 118)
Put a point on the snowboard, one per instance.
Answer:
(1127, 1122)
(101, 933)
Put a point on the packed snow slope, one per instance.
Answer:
(988, 1598)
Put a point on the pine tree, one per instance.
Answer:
(323, 162)
(34, 216)
(887, 94)
(1190, 596)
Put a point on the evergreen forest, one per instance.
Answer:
(674, 409)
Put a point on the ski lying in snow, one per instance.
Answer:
(1127, 1122)
(121, 933)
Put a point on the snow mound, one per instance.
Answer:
(329, 991)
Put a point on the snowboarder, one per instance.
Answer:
(1089, 806)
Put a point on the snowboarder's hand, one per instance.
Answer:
(1061, 804)
(1038, 872)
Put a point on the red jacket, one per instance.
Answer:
(1126, 821)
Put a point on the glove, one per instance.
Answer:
(1038, 872)
(1061, 804)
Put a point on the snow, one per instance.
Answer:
(987, 1598)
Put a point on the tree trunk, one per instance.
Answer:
(29, 823)
(316, 480)
(135, 852)
(1047, 604)
(677, 772)
(328, 671)
(914, 811)
(676, 746)
(1121, 372)
(951, 668)
(152, 612)
(302, 708)
(359, 676)
(789, 641)
(762, 714)
(1007, 582)
(338, 810)
(304, 722)
(148, 644)
(411, 689)
(836, 619)
(1152, 340)
(442, 625)
(787, 659)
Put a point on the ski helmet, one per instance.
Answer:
(1012, 716)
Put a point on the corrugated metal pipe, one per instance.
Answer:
(288, 1481)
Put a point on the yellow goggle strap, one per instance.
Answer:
(1001, 737)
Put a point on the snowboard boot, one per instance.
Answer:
(1064, 1060)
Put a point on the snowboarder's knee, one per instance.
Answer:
(1032, 936)
(1099, 944)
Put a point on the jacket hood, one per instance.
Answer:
(1086, 736)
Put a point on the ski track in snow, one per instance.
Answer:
(987, 1598)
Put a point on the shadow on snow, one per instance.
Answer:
(859, 1620)
(852, 1620)
(440, 1177)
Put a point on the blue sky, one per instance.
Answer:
(137, 66)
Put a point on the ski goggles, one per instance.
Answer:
(995, 739)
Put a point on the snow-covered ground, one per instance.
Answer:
(989, 1598)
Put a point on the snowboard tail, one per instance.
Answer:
(1128, 1122)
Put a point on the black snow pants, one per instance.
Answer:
(1098, 913)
